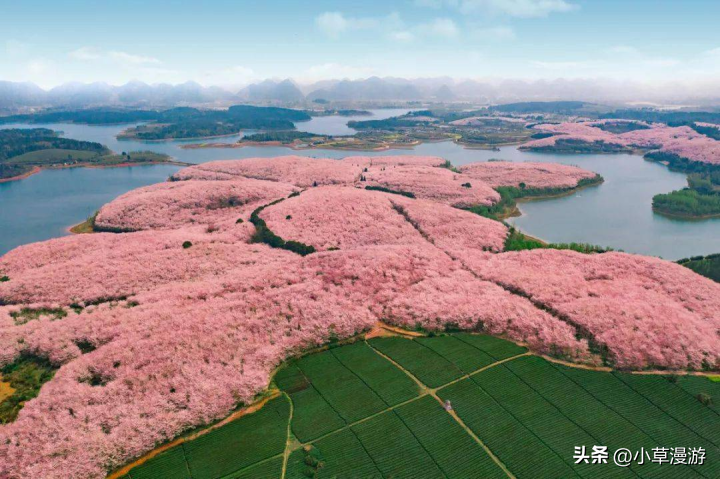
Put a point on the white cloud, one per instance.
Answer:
(624, 50)
(627, 53)
(39, 66)
(15, 48)
(402, 36)
(128, 58)
(430, 3)
(515, 8)
(494, 33)
(441, 27)
(332, 23)
(92, 54)
(85, 54)
(661, 62)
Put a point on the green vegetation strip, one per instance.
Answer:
(358, 414)
(263, 234)
(388, 190)
(516, 241)
(708, 266)
(507, 206)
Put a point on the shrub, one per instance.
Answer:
(29, 314)
(85, 346)
(466, 185)
(388, 190)
(705, 399)
(449, 166)
(4, 279)
(187, 244)
(239, 221)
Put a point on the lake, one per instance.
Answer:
(617, 213)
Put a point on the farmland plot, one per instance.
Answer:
(453, 406)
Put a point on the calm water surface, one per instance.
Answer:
(616, 213)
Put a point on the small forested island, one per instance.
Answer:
(701, 199)
(181, 123)
(26, 151)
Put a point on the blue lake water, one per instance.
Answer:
(616, 213)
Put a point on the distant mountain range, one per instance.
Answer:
(18, 96)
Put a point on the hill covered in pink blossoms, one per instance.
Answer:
(187, 315)
(682, 141)
(531, 174)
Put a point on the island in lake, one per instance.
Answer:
(184, 123)
(24, 152)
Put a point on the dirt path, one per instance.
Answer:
(289, 441)
(6, 390)
(433, 392)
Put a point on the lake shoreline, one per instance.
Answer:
(388, 146)
(38, 169)
(684, 217)
(35, 170)
(276, 144)
(516, 212)
(121, 137)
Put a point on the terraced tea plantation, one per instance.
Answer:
(453, 406)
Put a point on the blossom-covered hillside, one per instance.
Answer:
(530, 174)
(176, 204)
(682, 141)
(169, 327)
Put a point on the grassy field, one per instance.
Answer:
(53, 155)
(377, 408)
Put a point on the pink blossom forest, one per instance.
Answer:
(682, 141)
(188, 315)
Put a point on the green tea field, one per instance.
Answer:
(456, 406)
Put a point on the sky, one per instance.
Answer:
(231, 43)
